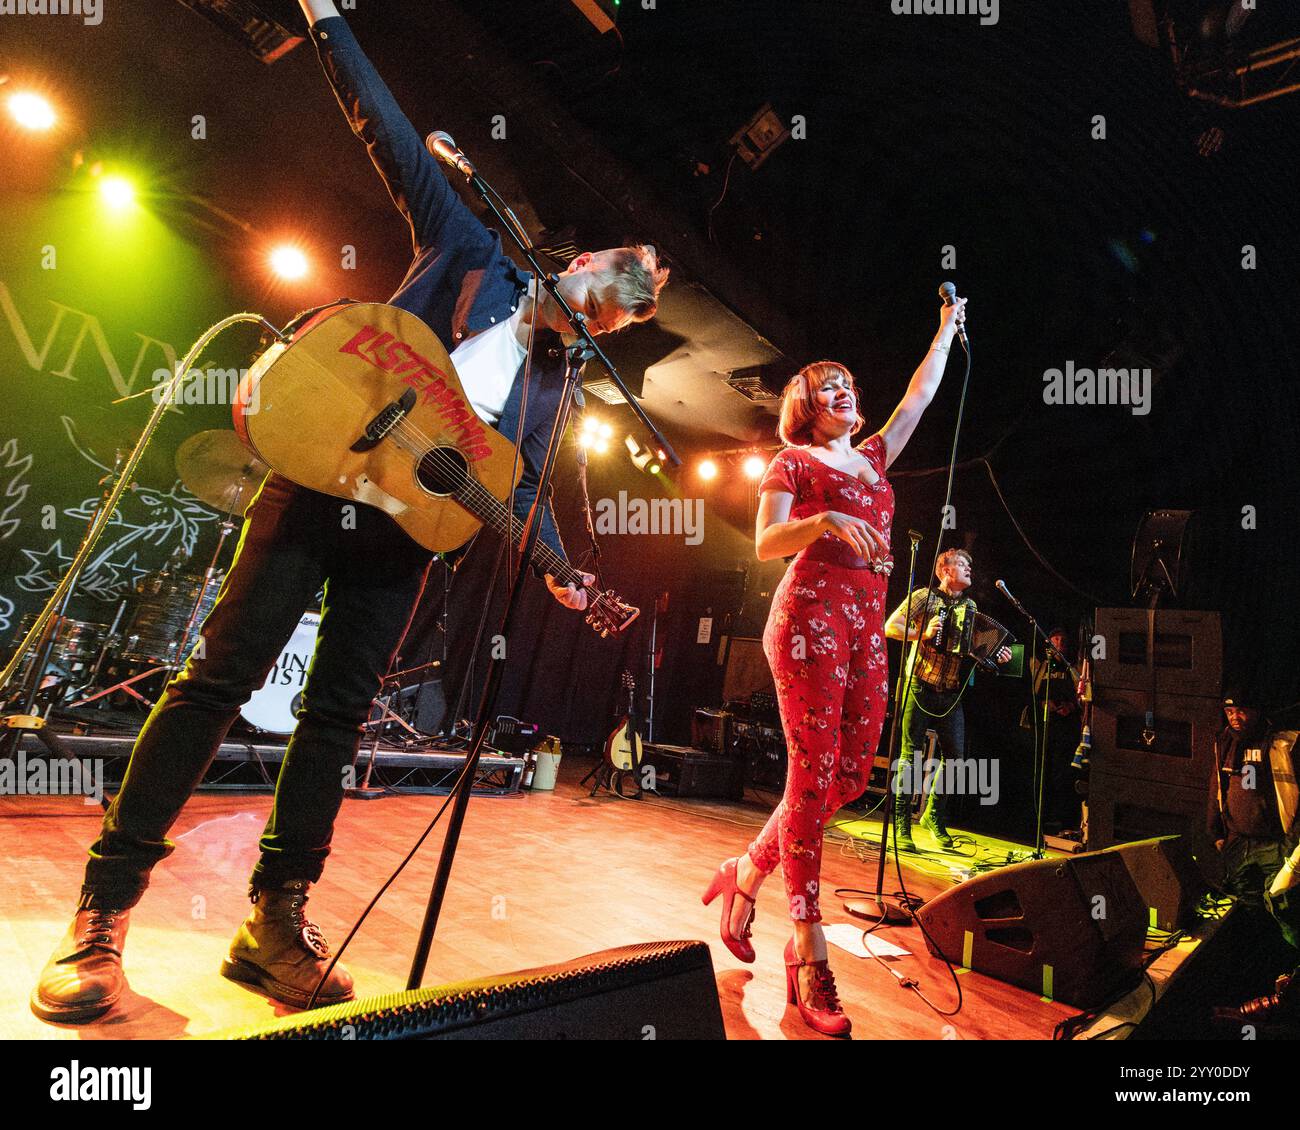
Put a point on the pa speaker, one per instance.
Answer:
(1167, 878)
(655, 990)
(1168, 651)
(1070, 929)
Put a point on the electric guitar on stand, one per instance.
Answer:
(623, 752)
(364, 404)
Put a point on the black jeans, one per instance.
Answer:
(293, 541)
(929, 709)
(1250, 864)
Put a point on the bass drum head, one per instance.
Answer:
(274, 708)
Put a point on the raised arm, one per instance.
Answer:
(411, 175)
(923, 385)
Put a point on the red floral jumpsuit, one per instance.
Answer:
(825, 642)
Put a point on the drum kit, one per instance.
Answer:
(155, 627)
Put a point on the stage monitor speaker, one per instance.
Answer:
(654, 990)
(1071, 929)
(1166, 877)
(1186, 651)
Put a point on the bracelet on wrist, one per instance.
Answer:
(939, 347)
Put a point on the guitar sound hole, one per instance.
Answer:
(442, 470)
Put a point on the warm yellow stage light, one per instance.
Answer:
(754, 467)
(288, 262)
(31, 111)
(707, 469)
(117, 192)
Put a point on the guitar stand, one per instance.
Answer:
(611, 780)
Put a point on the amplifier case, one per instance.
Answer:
(683, 772)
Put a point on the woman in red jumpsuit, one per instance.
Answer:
(828, 503)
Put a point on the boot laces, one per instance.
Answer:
(98, 930)
(311, 933)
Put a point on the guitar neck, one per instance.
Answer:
(497, 515)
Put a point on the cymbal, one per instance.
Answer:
(218, 469)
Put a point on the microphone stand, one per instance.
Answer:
(1040, 754)
(876, 909)
(576, 356)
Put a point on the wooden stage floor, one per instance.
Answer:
(539, 878)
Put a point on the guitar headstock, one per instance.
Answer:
(608, 613)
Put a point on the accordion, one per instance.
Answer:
(970, 634)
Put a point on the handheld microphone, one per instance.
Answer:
(915, 537)
(443, 146)
(948, 292)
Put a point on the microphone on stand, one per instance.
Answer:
(948, 292)
(443, 146)
(1001, 586)
(916, 538)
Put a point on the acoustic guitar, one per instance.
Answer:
(364, 404)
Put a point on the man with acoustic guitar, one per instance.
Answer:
(480, 305)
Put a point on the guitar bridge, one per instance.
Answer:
(385, 422)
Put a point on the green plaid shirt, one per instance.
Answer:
(938, 670)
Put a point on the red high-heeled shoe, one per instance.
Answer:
(724, 882)
(822, 1012)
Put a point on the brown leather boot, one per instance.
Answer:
(280, 950)
(83, 978)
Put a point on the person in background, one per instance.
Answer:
(1251, 815)
(935, 682)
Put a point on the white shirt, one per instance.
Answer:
(486, 365)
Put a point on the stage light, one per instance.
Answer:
(606, 430)
(288, 262)
(117, 192)
(754, 466)
(707, 470)
(642, 460)
(31, 111)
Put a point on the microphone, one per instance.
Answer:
(915, 536)
(1001, 586)
(443, 146)
(948, 292)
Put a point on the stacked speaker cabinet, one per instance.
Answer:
(1156, 711)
